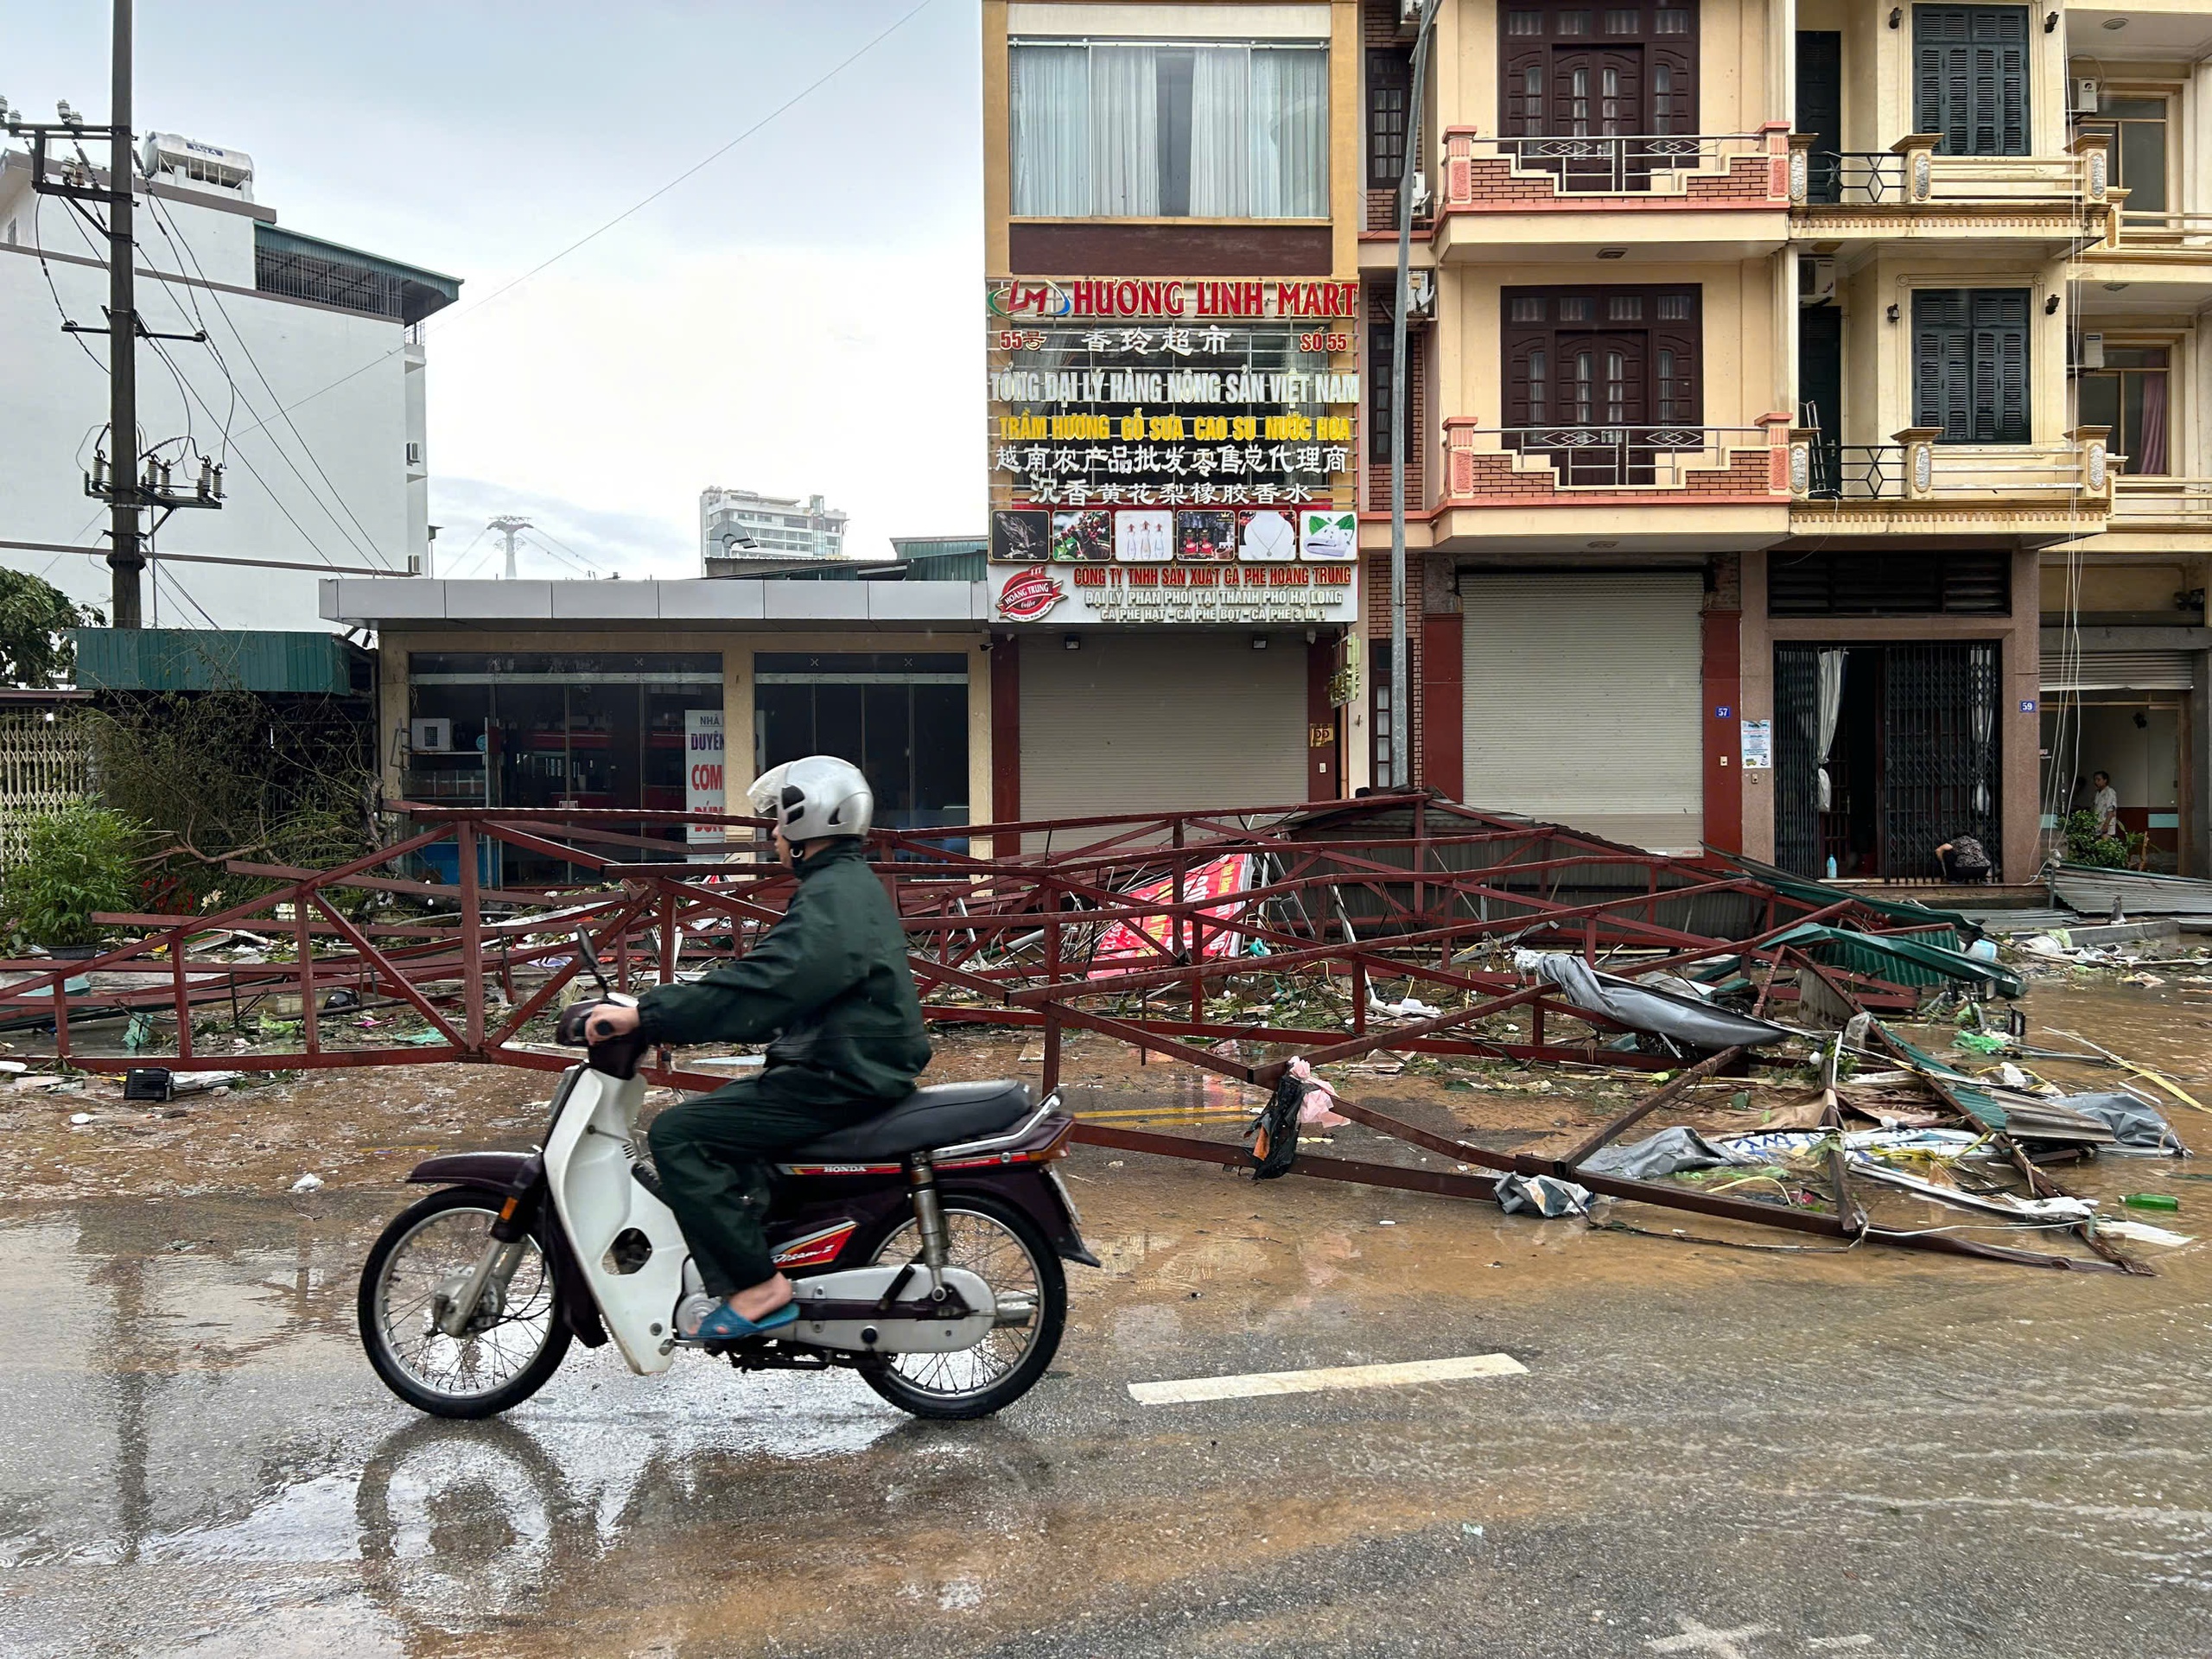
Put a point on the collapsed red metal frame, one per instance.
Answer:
(1005, 923)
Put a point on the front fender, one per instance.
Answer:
(501, 1172)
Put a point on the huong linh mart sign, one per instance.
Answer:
(1036, 300)
(1195, 393)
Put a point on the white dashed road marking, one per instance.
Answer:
(1330, 1377)
(1696, 1638)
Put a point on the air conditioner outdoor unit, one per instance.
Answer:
(414, 455)
(1422, 201)
(430, 736)
(1409, 14)
(1815, 279)
(2093, 352)
(2086, 96)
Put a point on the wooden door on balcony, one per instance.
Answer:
(1601, 97)
(1602, 382)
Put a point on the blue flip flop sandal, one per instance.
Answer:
(725, 1324)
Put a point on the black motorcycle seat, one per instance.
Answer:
(943, 1115)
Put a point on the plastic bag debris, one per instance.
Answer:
(2137, 1127)
(307, 1184)
(1542, 1195)
(1411, 1009)
(1637, 1005)
(1679, 1147)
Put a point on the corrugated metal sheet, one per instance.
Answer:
(2120, 671)
(2092, 892)
(1582, 696)
(212, 659)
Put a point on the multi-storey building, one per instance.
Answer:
(295, 364)
(1804, 424)
(738, 525)
(1800, 400)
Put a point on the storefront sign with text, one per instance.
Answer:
(1180, 593)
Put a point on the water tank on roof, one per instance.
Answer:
(172, 158)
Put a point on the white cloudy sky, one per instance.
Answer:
(798, 317)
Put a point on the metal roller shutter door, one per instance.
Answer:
(1160, 722)
(2120, 671)
(1583, 695)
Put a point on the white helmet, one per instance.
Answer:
(814, 799)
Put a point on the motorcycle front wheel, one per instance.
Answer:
(512, 1347)
(1007, 1251)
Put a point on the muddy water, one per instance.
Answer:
(1865, 1452)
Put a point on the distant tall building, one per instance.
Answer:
(743, 523)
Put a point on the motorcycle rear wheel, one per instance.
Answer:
(487, 1371)
(1008, 1251)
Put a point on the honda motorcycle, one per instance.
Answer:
(925, 1245)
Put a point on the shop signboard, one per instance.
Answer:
(703, 790)
(1172, 451)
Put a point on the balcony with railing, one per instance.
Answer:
(1502, 195)
(2156, 503)
(2168, 253)
(1644, 482)
(1910, 190)
(1916, 483)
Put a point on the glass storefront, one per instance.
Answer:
(554, 729)
(901, 717)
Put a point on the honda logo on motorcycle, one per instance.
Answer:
(1028, 595)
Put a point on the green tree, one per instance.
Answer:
(80, 860)
(35, 650)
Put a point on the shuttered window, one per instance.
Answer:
(1970, 78)
(1970, 362)
(1875, 581)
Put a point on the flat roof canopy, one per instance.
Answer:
(416, 601)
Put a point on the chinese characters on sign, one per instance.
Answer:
(1204, 394)
(1141, 427)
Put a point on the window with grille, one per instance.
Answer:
(1624, 356)
(1970, 364)
(1379, 366)
(1389, 86)
(1970, 78)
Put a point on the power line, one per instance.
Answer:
(478, 306)
(161, 217)
(199, 321)
(38, 246)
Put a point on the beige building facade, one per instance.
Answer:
(1806, 419)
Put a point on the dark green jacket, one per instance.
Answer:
(828, 983)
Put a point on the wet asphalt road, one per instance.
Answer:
(1713, 1452)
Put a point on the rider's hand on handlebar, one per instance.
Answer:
(610, 1021)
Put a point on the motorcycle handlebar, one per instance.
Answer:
(618, 1056)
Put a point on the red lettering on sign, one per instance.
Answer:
(1095, 577)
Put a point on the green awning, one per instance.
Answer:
(214, 659)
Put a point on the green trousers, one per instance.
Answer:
(716, 1154)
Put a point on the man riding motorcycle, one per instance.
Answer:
(829, 984)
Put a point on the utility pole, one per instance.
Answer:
(1401, 774)
(124, 558)
(509, 528)
(119, 481)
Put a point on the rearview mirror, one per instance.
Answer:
(590, 958)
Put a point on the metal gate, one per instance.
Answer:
(1939, 775)
(1797, 796)
(1939, 753)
